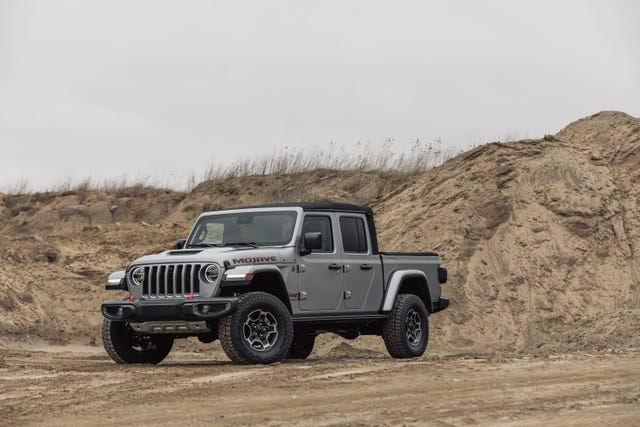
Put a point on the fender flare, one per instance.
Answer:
(245, 276)
(117, 281)
(394, 285)
(242, 276)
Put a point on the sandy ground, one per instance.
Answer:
(75, 385)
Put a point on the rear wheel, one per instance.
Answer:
(406, 331)
(302, 346)
(124, 345)
(260, 331)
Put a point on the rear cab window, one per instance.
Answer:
(354, 235)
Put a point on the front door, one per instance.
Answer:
(320, 278)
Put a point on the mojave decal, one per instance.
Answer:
(255, 260)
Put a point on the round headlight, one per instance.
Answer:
(137, 276)
(211, 273)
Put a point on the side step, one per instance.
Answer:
(339, 317)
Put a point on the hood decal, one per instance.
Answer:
(255, 260)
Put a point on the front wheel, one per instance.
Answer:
(260, 331)
(124, 345)
(406, 331)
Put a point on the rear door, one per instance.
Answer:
(320, 282)
(361, 269)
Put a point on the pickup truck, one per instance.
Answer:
(266, 280)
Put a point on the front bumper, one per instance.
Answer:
(148, 310)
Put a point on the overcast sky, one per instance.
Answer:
(163, 88)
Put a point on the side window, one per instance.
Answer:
(354, 236)
(322, 224)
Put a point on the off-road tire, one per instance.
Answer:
(124, 345)
(407, 314)
(235, 331)
(302, 346)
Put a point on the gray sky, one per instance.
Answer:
(163, 88)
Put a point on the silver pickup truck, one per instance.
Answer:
(266, 280)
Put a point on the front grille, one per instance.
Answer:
(172, 280)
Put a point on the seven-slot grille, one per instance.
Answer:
(172, 280)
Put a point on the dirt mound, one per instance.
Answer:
(540, 238)
(330, 345)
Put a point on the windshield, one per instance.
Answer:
(244, 229)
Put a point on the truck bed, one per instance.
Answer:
(427, 262)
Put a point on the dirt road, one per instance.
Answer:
(81, 386)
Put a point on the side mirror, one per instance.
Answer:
(313, 241)
(180, 243)
(310, 242)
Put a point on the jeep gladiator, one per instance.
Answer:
(267, 280)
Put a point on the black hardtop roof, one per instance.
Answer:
(316, 206)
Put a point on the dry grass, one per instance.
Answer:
(362, 157)
(119, 187)
(421, 157)
(18, 188)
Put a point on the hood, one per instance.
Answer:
(234, 255)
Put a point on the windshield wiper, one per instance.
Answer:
(252, 244)
(205, 245)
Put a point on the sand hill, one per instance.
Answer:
(540, 238)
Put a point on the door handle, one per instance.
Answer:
(335, 267)
(366, 267)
